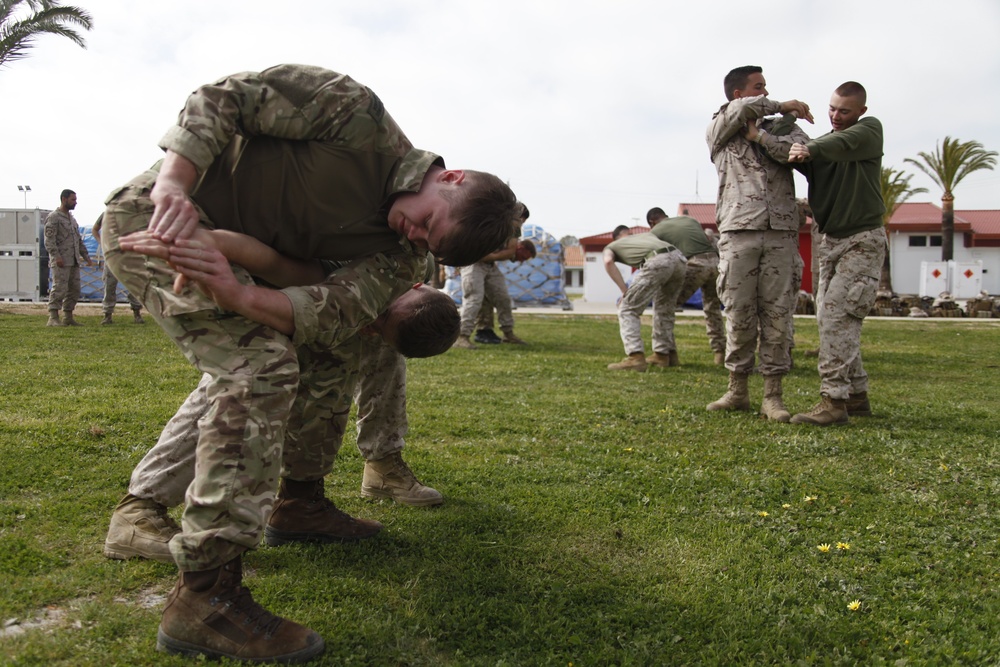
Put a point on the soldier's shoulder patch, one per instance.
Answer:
(375, 107)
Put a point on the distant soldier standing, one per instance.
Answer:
(64, 244)
(111, 286)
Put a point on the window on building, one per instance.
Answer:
(935, 241)
(918, 241)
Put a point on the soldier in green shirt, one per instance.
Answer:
(702, 270)
(844, 169)
(660, 278)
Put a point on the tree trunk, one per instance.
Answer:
(885, 282)
(947, 227)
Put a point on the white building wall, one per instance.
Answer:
(906, 262)
(597, 284)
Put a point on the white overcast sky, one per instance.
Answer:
(594, 111)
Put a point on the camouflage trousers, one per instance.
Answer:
(379, 389)
(660, 279)
(755, 278)
(65, 290)
(480, 280)
(111, 293)
(702, 273)
(253, 377)
(798, 266)
(849, 271)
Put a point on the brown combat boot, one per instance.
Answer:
(210, 613)
(858, 405)
(633, 362)
(719, 358)
(68, 319)
(54, 320)
(510, 337)
(829, 411)
(107, 319)
(738, 396)
(463, 343)
(303, 513)
(140, 528)
(137, 317)
(773, 407)
(390, 477)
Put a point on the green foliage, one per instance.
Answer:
(591, 517)
(23, 21)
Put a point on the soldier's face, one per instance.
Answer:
(425, 217)
(69, 202)
(845, 111)
(755, 86)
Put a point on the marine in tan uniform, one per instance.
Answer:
(66, 250)
(758, 225)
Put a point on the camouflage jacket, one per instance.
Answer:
(62, 239)
(351, 296)
(299, 157)
(756, 188)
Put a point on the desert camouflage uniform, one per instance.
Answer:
(341, 143)
(660, 279)
(62, 239)
(758, 224)
(478, 281)
(844, 171)
(702, 271)
(111, 281)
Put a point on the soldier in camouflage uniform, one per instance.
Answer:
(758, 224)
(111, 287)
(66, 250)
(660, 278)
(309, 162)
(844, 169)
(702, 270)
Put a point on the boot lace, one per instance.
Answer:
(240, 601)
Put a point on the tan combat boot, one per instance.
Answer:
(137, 317)
(210, 613)
(720, 358)
(107, 319)
(54, 320)
(510, 337)
(303, 513)
(738, 396)
(829, 411)
(68, 319)
(140, 528)
(633, 362)
(463, 343)
(773, 407)
(390, 477)
(858, 405)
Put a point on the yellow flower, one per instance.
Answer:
(844, 545)
(944, 467)
(854, 605)
(809, 499)
(762, 514)
(824, 547)
(785, 506)
(628, 449)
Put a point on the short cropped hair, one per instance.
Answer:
(655, 212)
(485, 216)
(737, 79)
(853, 89)
(529, 246)
(66, 193)
(619, 230)
(430, 328)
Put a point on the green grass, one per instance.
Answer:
(591, 517)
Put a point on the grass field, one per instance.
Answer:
(591, 517)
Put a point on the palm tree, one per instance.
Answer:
(947, 166)
(895, 191)
(17, 35)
